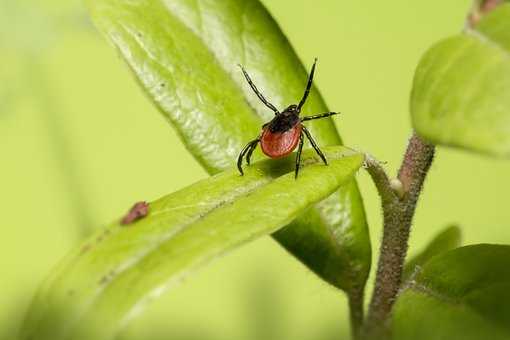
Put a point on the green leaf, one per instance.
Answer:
(447, 239)
(463, 294)
(185, 53)
(109, 279)
(461, 94)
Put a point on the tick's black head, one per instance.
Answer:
(285, 120)
(291, 109)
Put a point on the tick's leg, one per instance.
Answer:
(308, 86)
(298, 155)
(314, 145)
(250, 151)
(242, 153)
(319, 116)
(257, 92)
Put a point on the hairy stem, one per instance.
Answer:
(398, 213)
(399, 204)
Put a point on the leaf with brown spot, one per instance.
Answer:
(184, 231)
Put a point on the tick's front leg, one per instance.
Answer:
(319, 116)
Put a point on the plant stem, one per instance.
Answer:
(355, 297)
(398, 210)
(398, 214)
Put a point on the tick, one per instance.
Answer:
(280, 136)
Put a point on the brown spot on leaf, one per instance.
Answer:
(101, 237)
(85, 249)
(107, 278)
(138, 211)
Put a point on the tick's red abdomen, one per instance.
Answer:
(280, 144)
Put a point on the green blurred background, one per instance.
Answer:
(79, 143)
